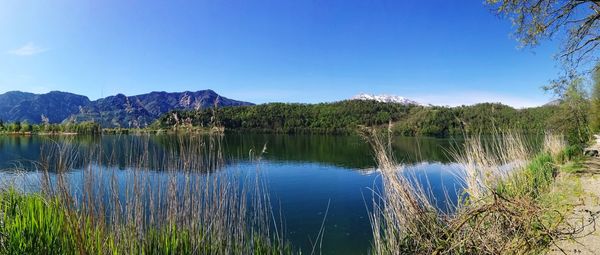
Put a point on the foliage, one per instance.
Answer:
(14, 127)
(338, 117)
(89, 128)
(484, 118)
(573, 113)
(595, 101)
(345, 116)
(539, 19)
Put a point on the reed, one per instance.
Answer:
(499, 213)
(195, 208)
(486, 163)
(554, 144)
(403, 219)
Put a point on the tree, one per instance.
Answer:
(540, 19)
(595, 100)
(536, 20)
(572, 118)
(14, 127)
(25, 127)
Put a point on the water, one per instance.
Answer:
(305, 173)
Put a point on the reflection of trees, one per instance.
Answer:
(189, 153)
(156, 151)
(345, 151)
(410, 150)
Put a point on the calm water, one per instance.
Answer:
(304, 173)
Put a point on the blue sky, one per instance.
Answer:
(440, 52)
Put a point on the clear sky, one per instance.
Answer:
(439, 51)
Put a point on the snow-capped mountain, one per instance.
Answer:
(385, 99)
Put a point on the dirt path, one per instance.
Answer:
(585, 213)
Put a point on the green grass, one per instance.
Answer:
(217, 213)
(559, 200)
(32, 224)
(531, 180)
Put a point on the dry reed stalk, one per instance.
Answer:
(554, 143)
(487, 162)
(220, 212)
(402, 210)
(488, 222)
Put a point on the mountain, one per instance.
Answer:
(112, 111)
(554, 102)
(9, 99)
(55, 106)
(385, 99)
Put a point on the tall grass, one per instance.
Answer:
(190, 207)
(554, 144)
(486, 163)
(402, 214)
(499, 212)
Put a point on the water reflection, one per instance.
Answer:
(344, 151)
(303, 172)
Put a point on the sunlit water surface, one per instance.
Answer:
(304, 174)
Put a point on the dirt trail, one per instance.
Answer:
(585, 213)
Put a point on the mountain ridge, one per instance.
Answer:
(112, 111)
(384, 98)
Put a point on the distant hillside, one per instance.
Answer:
(345, 116)
(55, 106)
(112, 111)
(554, 102)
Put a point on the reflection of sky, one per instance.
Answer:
(300, 190)
(303, 174)
(23, 181)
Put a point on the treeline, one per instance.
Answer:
(90, 128)
(345, 116)
(486, 118)
(324, 118)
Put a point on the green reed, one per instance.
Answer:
(197, 209)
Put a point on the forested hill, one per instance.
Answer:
(345, 116)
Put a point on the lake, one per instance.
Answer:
(304, 173)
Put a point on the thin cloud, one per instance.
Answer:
(29, 49)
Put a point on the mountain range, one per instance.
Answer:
(112, 111)
(385, 99)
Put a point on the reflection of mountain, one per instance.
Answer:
(189, 153)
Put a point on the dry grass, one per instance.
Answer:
(554, 144)
(191, 207)
(402, 214)
(500, 212)
(488, 162)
